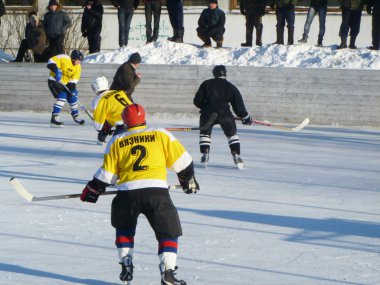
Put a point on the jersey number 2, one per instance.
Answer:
(140, 151)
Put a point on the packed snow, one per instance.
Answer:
(304, 210)
(166, 52)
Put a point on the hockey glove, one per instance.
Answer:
(189, 186)
(58, 74)
(247, 120)
(92, 191)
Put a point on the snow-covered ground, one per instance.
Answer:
(305, 210)
(165, 52)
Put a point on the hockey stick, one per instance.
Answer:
(79, 103)
(182, 129)
(20, 189)
(303, 124)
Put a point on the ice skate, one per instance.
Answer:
(238, 161)
(126, 274)
(55, 122)
(204, 159)
(167, 276)
(78, 120)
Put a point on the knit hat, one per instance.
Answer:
(53, 2)
(135, 58)
(213, 1)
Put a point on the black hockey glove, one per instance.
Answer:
(92, 191)
(189, 186)
(247, 120)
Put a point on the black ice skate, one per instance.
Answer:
(78, 120)
(126, 269)
(55, 122)
(167, 276)
(238, 161)
(204, 159)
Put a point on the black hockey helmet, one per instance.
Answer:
(219, 71)
(76, 54)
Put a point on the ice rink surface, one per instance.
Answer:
(305, 210)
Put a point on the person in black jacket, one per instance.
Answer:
(125, 10)
(2, 9)
(253, 10)
(126, 77)
(56, 23)
(351, 18)
(214, 98)
(316, 7)
(211, 25)
(92, 19)
(373, 7)
(35, 39)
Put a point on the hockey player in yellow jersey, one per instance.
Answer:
(108, 106)
(65, 72)
(137, 161)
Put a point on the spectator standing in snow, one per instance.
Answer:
(125, 10)
(253, 10)
(373, 7)
(211, 25)
(316, 7)
(175, 11)
(152, 8)
(56, 23)
(351, 18)
(284, 14)
(92, 21)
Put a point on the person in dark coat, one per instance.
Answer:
(152, 8)
(351, 18)
(56, 23)
(214, 98)
(92, 20)
(126, 77)
(373, 7)
(316, 7)
(253, 10)
(2, 9)
(175, 12)
(211, 25)
(284, 13)
(125, 11)
(35, 39)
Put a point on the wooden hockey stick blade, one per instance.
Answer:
(301, 126)
(304, 123)
(16, 185)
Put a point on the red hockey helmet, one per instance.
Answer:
(133, 115)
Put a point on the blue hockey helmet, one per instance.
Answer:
(76, 54)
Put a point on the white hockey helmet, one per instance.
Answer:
(99, 84)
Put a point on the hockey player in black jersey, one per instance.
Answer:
(214, 98)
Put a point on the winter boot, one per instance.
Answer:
(55, 121)
(248, 39)
(303, 40)
(78, 120)
(206, 40)
(238, 161)
(175, 32)
(319, 43)
(126, 269)
(290, 36)
(177, 35)
(373, 48)
(259, 33)
(352, 43)
(149, 39)
(343, 43)
(219, 44)
(280, 37)
(167, 276)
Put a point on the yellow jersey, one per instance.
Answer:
(108, 106)
(139, 158)
(70, 73)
